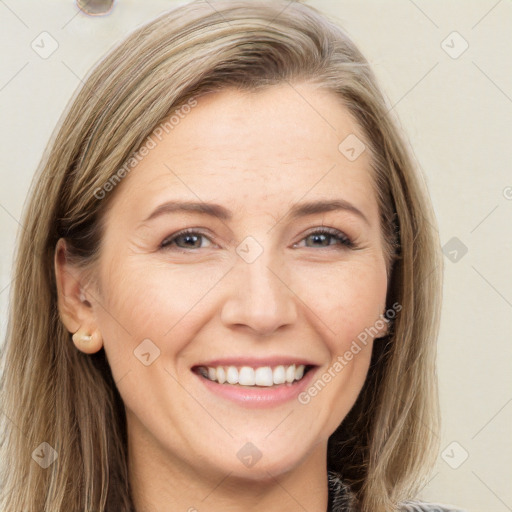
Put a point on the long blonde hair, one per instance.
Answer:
(53, 393)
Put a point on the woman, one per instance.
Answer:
(227, 285)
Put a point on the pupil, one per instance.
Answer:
(320, 238)
(190, 238)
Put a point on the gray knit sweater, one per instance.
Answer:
(341, 500)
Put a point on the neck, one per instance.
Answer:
(158, 482)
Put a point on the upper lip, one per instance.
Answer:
(256, 362)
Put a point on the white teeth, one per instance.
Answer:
(221, 375)
(279, 375)
(232, 375)
(247, 376)
(290, 373)
(263, 376)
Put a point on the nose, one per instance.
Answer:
(259, 297)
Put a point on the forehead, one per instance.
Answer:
(248, 148)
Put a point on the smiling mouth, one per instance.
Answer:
(246, 376)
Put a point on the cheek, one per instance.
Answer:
(345, 308)
(148, 302)
(347, 300)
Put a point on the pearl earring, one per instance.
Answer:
(80, 337)
(88, 343)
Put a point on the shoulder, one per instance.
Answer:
(341, 499)
(418, 506)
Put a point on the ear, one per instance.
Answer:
(75, 310)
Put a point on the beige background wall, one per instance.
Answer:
(455, 103)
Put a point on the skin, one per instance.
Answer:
(256, 154)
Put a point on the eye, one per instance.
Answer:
(186, 239)
(323, 237)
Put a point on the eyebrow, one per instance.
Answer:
(216, 210)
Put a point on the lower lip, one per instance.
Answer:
(259, 397)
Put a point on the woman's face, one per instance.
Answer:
(254, 284)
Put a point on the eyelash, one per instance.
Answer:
(340, 237)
